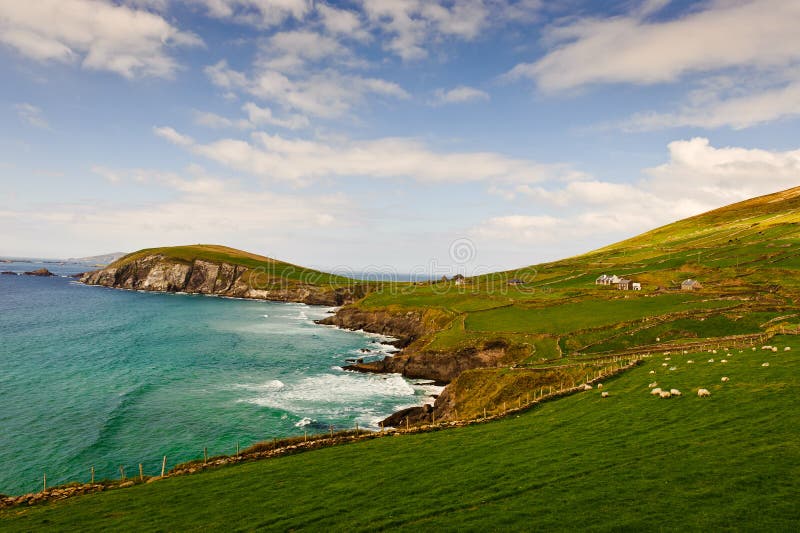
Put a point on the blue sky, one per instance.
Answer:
(370, 133)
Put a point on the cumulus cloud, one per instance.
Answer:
(697, 177)
(255, 117)
(300, 161)
(32, 116)
(634, 49)
(97, 34)
(458, 95)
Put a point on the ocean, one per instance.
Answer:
(97, 377)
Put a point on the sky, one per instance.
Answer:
(409, 135)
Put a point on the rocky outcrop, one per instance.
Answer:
(164, 274)
(442, 367)
(406, 326)
(41, 272)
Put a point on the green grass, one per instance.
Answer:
(627, 462)
(586, 314)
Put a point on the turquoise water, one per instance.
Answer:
(100, 377)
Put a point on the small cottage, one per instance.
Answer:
(625, 284)
(607, 280)
(515, 282)
(691, 285)
(459, 279)
(636, 286)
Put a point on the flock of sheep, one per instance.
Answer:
(655, 390)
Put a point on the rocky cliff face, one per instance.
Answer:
(159, 273)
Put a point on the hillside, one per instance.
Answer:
(630, 461)
(491, 339)
(223, 271)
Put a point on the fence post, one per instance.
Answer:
(141, 472)
(122, 472)
(92, 474)
(163, 465)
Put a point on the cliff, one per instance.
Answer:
(163, 273)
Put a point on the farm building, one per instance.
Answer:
(691, 285)
(515, 282)
(636, 286)
(459, 279)
(607, 280)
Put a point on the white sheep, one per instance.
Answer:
(714, 352)
(754, 348)
(723, 361)
(652, 371)
(653, 384)
(665, 394)
(668, 359)
(766, 347)
(725, 379)
(604, 394)
(764, 364)
(774, 349)
(675, 392)
(686, 352)
(586, 386)
(727, 349)
(690, 361)
(710, 360)
(787, 349)
(663, 364)
(599, 385)
(656, 391)
(703, 392)
(673, 368)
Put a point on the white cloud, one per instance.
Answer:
(173, 136)
(698, 177)
(342, 22)
(736, 106)
(98, 34)
(260, 13)
(200, 208)
(723, 34)
(326, 93)
(458, 95)
(32, 116)
(290, 51)
(258, 116)
(301, 161)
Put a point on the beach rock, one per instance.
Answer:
(8, 273)
(42, 272)
(414, 415)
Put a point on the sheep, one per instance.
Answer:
(774, 349)
(754, 348)
(727, 349)
(787, 349)
(764, 364)
(599, 385)
(675, 392)
(723, 361)
(703, 392)
(673, 368)
(665, 394)
(766, 347)
(663, 364)
(690, 361)
(714, 352)
(710, 360)
(686, 352)
(668, 359)
(604, 394)
(586, 386)
(725, 379)
(653, 384)
(652, 371)
(656, 391)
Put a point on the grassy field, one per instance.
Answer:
(629, 461)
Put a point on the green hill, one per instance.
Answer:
(219, 270)
(746, 256)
